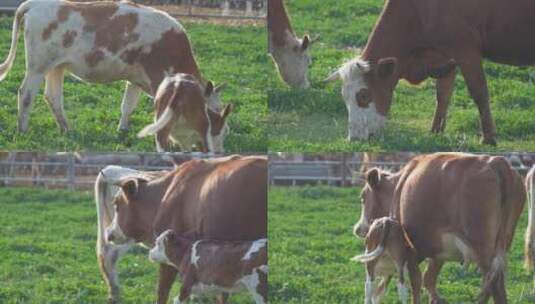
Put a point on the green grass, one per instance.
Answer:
(311, 242)
(231, 54)
(47, 245)
(315, 120)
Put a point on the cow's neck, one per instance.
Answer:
(151, 205)
(278, 23)
(394, 34)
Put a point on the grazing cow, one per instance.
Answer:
(211, 265)
(530, 231)
(222, 198)
(453, 207)
(387, 250)
(289, 52)
(98, 42)
(182, 114)
(418, 39)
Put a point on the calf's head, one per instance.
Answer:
(133, 212)
(169, 248)
(367, 88)
(219, 128)
(293, 60)
(376, 199)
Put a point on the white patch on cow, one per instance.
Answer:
(362, 122)
(195, 257)
(115, 230)
(368, 290)
(255, 247)
(403, 293)
(209, 139)
(530, 231)
(157, 253)
(361, 225)
(455, 249)
(251, 282)
(292, 63)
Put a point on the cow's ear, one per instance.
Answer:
(373, 177)
(386, 67)
(226, 111)
(209, 89)
(220, 87)
(131, 186)
(305, 43)
(444, 70)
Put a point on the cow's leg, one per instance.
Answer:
(222, 298)
(108, 255)
(444, 90)
(27, 92)
(415, 277)
(129, 103)
(472, 69)
(166, 279)
(381, 289)
(368, 286)
(430, 281)
(54, 96)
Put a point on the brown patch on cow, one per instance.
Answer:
(68, 38)
(47, 32)
(173, 50)
(94, 57)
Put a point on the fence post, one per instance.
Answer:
(71, 172)
(343, 168)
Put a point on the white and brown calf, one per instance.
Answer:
(214, 266)
(97, 42)
(388, 251)
(183, 116)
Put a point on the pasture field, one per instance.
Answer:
(47, 245)
(315, 120)
(232, 54)
(311, 243)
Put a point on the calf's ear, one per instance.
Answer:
(305, 43)
(373, 177)
(386, 67)
(209, 89)
(227, 110)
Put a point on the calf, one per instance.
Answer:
(183, 115)
(289, 53)
(209, 265)
(530, 231)
(98, 42)
(387, 250)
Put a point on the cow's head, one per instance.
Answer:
(376, 199)
(132, 221)
(218, 119)
(212, 95)
(293, 60)
(368, 87)
(169, 248)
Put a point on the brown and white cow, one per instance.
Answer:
(98, 42)
(530, 231)
(418, 39)
(289, 53)
(222, 198)
(453, 207)
(206, 266)
(388, 250)
(182, 114)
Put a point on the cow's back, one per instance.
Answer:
(219, 199)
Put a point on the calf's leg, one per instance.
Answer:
(27, 92)
(444, 90)
(129, 103)
(108, 255)
(54, 96)
(381, 289)
(166, 279)
(415, 277)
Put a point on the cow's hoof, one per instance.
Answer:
(489, 141)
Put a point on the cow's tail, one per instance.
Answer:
(168, 116)
(378, 251)
(103, 214)
(529, 251)
(17, 23)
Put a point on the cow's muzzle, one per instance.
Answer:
(360, 230)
